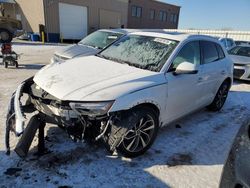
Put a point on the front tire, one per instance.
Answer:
(220, 97)
(137, 130)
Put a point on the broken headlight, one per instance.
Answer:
(91, 108)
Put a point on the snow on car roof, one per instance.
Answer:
(124, 31)
(172, 35)
(159, 33)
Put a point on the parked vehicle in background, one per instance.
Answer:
(228, 43)
(90, 45)
(241, 42)
(125, 93)
(236, 171)
(9, 28)
(241, 58)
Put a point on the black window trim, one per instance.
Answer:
(218, 51)
(169, 70)
(202, 50)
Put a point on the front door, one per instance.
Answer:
(184, 90)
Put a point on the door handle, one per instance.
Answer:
(223, 72)
(200, 79)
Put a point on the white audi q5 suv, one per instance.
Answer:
(125, 93)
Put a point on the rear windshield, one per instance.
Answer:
(240, 51)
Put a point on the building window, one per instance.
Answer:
(173, 18)
(136, 11)
(163, 16)
(152, 14)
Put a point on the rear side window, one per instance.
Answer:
(210, 53)
(220, 51)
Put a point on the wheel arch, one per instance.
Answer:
(149, 105)
(229, 80)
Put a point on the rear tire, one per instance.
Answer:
(5, 36)
(135, 131)
(220, 97)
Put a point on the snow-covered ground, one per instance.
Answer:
(188, 153)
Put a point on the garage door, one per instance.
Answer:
(110, 19)
(73, 21)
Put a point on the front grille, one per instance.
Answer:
(238, 73)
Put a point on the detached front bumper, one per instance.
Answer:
(15, 117)
(29, 98)
(18, 113)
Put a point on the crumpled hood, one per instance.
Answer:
(94, 79)
(76, 50)
(240, 59)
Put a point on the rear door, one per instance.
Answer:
(213, 69)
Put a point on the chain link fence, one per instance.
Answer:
(236, 35)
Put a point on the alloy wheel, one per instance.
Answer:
(137, 138)
(222, 96)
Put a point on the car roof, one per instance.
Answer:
(123, 31)
(163, 33)
(174, 35)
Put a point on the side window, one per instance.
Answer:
(210, 53)
(190, 52)
(220, 51)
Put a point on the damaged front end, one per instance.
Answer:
(81, 120)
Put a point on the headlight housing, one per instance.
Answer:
(91, 108)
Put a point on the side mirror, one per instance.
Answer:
(185, 68)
